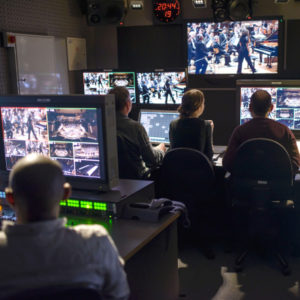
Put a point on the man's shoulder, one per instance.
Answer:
(129, 122)
(276, 124)
(258, 122)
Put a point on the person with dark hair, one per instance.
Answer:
(189, 130)
(39, 250)
(30, 128)
(168, 91)
(243, 50)
(140, 154)
(201, 53)
(260, 126)
(8, 127)
(145, 93)
(219, 50)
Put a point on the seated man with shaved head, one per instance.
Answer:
(261, 127)
(39, 250)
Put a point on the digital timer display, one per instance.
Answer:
(166, 11)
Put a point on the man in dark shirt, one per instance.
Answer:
(138, 155)
(200, 56)
(261, 127)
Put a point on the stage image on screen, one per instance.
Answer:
(100, 83)
(68, 135)
(247, 47)
(286, 103)
(161, 87)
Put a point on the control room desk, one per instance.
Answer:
(150, 252)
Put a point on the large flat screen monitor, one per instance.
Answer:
(99, 83)
(233, 47)
(160, 87)
(156, 123)
(77, 131)
(285, 98)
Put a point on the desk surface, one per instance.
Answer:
(129, 235)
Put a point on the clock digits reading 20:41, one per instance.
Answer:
(166, 10)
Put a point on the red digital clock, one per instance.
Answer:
(166, 11)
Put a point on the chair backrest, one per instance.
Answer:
(66, 292)
(262, 164)
(186, 173)
(126, 168)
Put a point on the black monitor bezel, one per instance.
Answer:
(61, 101)
(156, 106)
(263, 83)
(108, 71)
(210, 79)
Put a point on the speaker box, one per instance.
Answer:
(240, 9)
(220, 11)
(101, 12)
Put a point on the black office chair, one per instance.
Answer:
(188, 176)
(261, 182)
(59, 292)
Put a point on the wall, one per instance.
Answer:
(106, 41)
(61, 18)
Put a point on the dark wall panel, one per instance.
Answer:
(148, 47)
(292, 48)
(220, 106)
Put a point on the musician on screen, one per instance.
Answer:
(30, 127)
(200, 56)
(243, 50)
(168, 90)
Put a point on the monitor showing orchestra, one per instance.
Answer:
(239, 47)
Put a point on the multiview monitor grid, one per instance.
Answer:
(157, 124)
(286, 101)
(67, 135)
(233, 47)
(99, 83)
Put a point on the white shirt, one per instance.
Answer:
(48, 253)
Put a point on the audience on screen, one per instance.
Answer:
(260, 126)
(39, 250)
(141, 157)
(189, 130)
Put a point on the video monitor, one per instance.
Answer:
(100, 83)
(157, 124)
(233, 47)
(72, 130)
(285, 98)
(160, 87)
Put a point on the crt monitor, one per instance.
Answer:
(99, 83)
(160, 87)
(285, 98)
(157, 123)
(77, 131)
(233, 47)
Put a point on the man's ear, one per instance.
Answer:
(271, 107)
(67, 191)
(9, 196)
